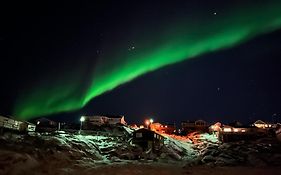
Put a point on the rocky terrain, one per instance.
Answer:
(67, 153)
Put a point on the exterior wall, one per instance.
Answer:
(200, 123)
(187, 124)
(44, 122)
(264, 125)
(30, 127)
(96, 120)
(148, 139)
(12, 124)
(229, 133)
(114, 121)
(100, 120)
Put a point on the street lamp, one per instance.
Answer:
(82, 119)
(147, 122)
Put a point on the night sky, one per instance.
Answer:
(173, 61)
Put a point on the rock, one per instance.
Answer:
(208, 159)
(255, 161)
(127, 156)
(221, 161)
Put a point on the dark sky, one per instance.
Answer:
(41, 41)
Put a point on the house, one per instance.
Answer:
(99, 120)
(7, 123)
(234, 133)
(133, 126)
(44, 124)
(28, 127)
(198, 125)
(215, 128)
(148, 139)
(114, 120)
(169, 128)
(96, 120)
(263, 125)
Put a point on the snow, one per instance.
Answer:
(68, 153)
(129, 130)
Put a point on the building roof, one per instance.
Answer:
(259, 122)
(44, 119)
(109, 116)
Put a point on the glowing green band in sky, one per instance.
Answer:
(176, 40)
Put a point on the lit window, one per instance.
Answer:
(226, 129)
(235, 130)
(243, 130)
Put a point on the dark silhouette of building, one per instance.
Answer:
(148, 139)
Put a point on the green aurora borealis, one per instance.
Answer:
(173, 40)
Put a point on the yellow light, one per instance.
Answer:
(235, 130)
(226, 129)
(151, 120)
(147, 122)
(243, 130)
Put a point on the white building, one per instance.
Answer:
(17, 125)
(96, 120)
(263, 125)
(101, 120)
(113, 120)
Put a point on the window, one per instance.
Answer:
(138, 135)
(227, 129)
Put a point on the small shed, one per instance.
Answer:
(148, 139)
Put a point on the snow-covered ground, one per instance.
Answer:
(88, 152)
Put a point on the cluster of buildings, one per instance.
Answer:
(86, 122)
(237, 131)
(103, 120)
(8, 123)
(163, 128)
(149, 135)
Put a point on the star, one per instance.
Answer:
(131, 48)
